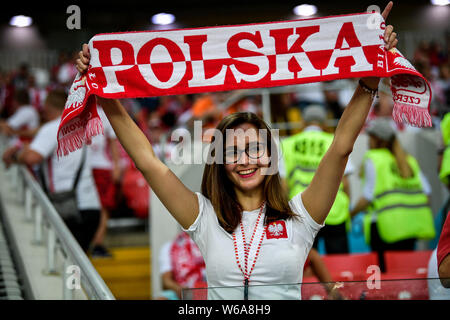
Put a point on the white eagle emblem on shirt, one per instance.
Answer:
(276, 229)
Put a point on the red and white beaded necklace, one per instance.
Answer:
(249, 252)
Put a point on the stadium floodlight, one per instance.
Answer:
(440, 2)
(163, 18)
(21, 21)
(305, 10)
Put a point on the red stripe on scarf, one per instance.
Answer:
(186, 61)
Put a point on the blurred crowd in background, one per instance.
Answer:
(159, 116)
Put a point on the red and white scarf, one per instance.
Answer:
(186, 61)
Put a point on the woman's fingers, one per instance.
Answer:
(387, 33)
(394, 44)
(86, 52)
(386, 10)
(80, 66)
(392, 38)
(84, 58)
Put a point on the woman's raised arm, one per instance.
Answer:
(319, 196)
(177, 198)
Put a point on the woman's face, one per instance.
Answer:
(246, 156)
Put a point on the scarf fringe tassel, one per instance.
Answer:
(75, 140)
(415, 116)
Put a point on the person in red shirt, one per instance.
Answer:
(443, 253)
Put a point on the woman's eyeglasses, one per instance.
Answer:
(253, 150)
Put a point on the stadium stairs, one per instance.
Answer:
(126, 272)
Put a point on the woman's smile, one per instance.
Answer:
(247, 173)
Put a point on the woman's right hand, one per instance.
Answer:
(84, 58)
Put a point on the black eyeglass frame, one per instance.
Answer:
(246, 150)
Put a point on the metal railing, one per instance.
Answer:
(50, 230)
(375, 287)
(41, 212)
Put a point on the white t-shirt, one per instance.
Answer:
(98, 150)
(67, 72)
(279, 267)
(436, 290)
(26, 117)
(37, 97)
(60, 173)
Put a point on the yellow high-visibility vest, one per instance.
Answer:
(400, 208)
(302, 154)
(444, 173)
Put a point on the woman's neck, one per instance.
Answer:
(250, 200)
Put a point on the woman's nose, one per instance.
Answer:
(244, 158)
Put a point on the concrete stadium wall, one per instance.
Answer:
(163, 227)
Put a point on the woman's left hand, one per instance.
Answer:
(390, 41)
(390, 37)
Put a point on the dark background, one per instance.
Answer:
(111, 16)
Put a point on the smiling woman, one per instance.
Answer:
(242, 183)
(245, 227)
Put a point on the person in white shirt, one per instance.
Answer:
(247, 230)
(59, 174)
(436, 290)
(25, 120)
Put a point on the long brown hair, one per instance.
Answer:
(218, 188)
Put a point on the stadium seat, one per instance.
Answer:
(413, 263)
(399, 287)
(313, 290)
(350, 267)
